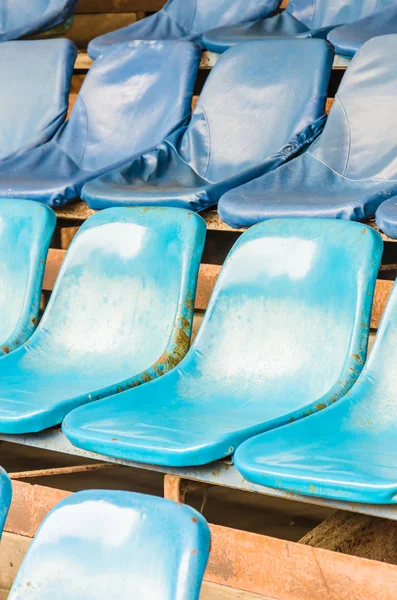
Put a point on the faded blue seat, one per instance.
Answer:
(120, 315)
(386, 217)
(96, 545)
(352, 166)
(348, 39)
(5, 497)
(34, 97)
(130, 100)
(302, 18)
(29, 17)
(284, 335)
(347, 452)
(26, 230)
(185, 20)
(262, 103)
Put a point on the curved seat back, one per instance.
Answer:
(5, 497)
(20, 19)
(35, 95)
(26, 230)
(316, 14)
(97, 545)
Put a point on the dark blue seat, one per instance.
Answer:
(130, 100)
(347, 452)
(120, 315)
(34, 97)
(348, 39)
(5, 497)
(302, 18)
(284, 335)
(97, 545)
(262, 103)
(28, 17)
(26, 230)
(351, 168)
(185, 20)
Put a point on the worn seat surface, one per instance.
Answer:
(130, 100)
(186, 20)
(34, 98)
(262, 103)
(302, 18)
(96, 545)
(20, 18)
(347, 452)
(352, 166)
(26, 229)
(5, 497)
(120, 315)
(284, 335)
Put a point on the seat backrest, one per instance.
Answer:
(5, 497)
(24, 17)
(316, 14)
(96, 545)
(26, 229)
(132, 97)
(358, 141)
(290, 312)
(35, 94)
(124, 296)
(198, 16)
(259, 95)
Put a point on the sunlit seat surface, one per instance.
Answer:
(262, 103)
(120, 315)
(96, 545)
(185, 20)
(284, 335)
(352, 166)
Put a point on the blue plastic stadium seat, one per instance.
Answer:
(262, 103)
(5, 497)
(351, 168)
(28, 17)
(120, 315)
(386, 217)
(34, 97)
(347, 452)
(284, 335)
(302, 18)
(97, 545)
(130, 100)
(348, 39)
(185, 20)
(26, 230)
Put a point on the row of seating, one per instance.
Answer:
(284, 337)
(217, 26)
(247, 154)
(101, 544)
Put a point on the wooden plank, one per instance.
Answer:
(382, 292)
(211, 591)
(87, 27)
(12, 550)
(116, 6)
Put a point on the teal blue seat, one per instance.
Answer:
(347, 452)
(5, 497)
(284, 335)
(98, 545)
(26, 229)
(120, 314)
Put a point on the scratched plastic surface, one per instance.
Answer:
(120, 314)
(5, 497)
(26, 230)
(348, 452)
(98, 545)
(284, 335)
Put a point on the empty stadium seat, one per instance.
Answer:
(130, 100)
(186, 20)
(26, 230)
(5, 497)
(34, 97)
(97, 545)
(284, 335)
(351, 168)
(262, 103)
(386, 217)
(348, 39)
(120, 315)
(347, 452)
(20, 18)
(302, 18)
